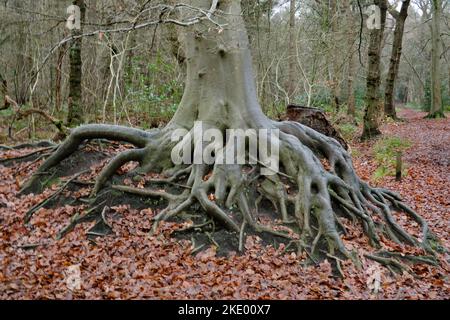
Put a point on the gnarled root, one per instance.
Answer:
(310, 198)
(77, 137)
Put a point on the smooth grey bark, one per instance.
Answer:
(220, 87)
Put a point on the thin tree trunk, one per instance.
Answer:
(58, 80)
(334, 57)
(351, 101)
(400, 18)
(436, 109)
(129, 63)
(373, 100)
(351, 104)
(292, 52)
(22, 69)
(75, 115)
(4, 92)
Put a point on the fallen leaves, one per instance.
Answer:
(130, 264)
(374, 278)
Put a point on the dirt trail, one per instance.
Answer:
(427, 185)
(431, 138)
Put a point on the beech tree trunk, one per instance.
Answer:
(400, 18)
(220, 87)
(373, 97)
(75, 111)
(436, 109)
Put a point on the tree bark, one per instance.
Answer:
(436, 109)
(292, 52)
(4, 92)
(373, 99)
(58, 80)
(335, 86)
(351, 69)
(351, 101)
(75, 113)
(400, 18)
(219, 77)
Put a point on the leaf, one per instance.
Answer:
(374, 278)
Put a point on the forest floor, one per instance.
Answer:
(131, 264)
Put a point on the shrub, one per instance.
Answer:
(348, 131)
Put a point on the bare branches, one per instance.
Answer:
(19, 114)
(165, 10)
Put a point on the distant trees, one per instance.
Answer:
(304, 52)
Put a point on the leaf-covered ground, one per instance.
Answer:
(130, 264)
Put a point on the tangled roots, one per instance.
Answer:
(315, 188)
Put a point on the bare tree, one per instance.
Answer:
(292, 79)
(4, 92)
(75, 113)
(400, 18)
(351, 68)
(436, 109)
(373, 97)
(335, 58)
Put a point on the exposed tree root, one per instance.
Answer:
(309, 200)
(39, 154)
(39, 144)
(44, 202)
(392, 264)
(78, 218)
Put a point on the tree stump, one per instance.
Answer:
(315, 119)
